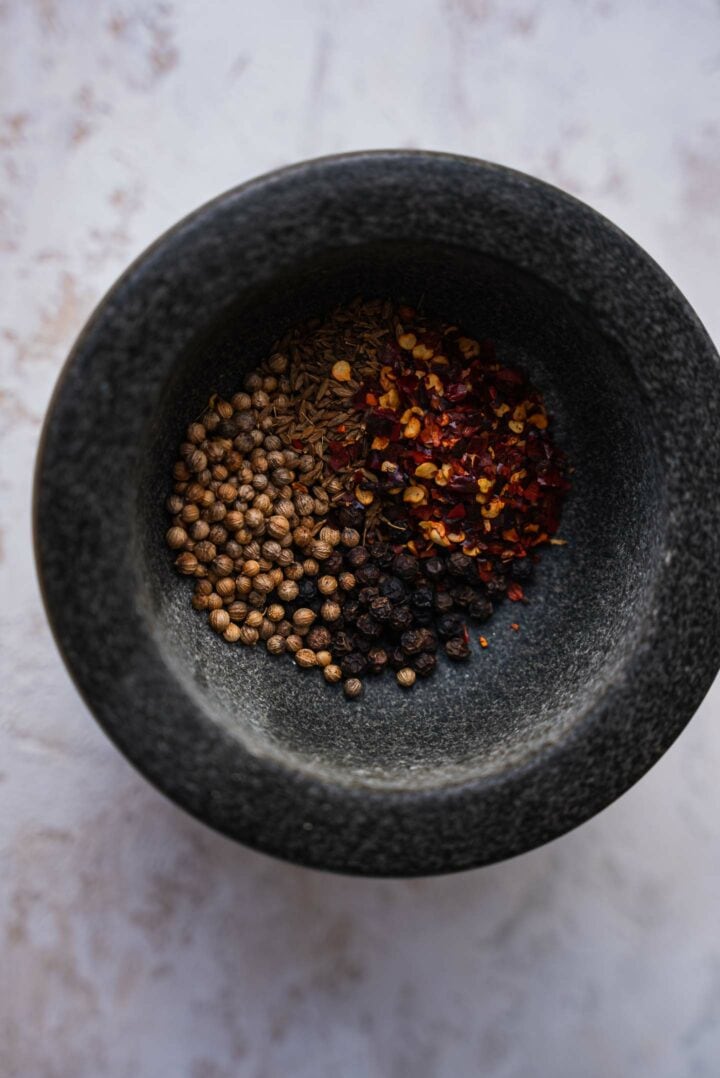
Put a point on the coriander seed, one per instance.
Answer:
(288, 590)
(190, 513)
(275, 645)
(232, 633)
(278, 363)
(332, 673)
(302, 536)
(205, 551)
(219, 620)
(306, 658)
(330, 535)
(278, 527)
(327, 585)
(225, 587)
(271, 550)
(176, 538)
(248, 636)
(285, 508)
(405, 677)
(276, 612)
(324, 658)
(293, 642)
(304, 504)
(186, 563)
(263, 583)
(352, 687)
(330, 610)
(238, 611)
(243, 585)
(303, 618)
(222, 565)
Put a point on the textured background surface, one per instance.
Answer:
(135, 942)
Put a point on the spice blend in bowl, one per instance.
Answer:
(379, 484)
(576, 694)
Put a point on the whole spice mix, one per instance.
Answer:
(380, 481)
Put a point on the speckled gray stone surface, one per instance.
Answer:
(620, 640)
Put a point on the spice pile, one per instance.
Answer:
(381, 481)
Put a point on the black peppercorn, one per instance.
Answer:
(521, 569)
(480, 609)
(393, 589)
(421, 602)
(412, 641)
(422, 599)
(382, 554)
(351, 517)
(443, 602)
(366, 624)
(401, 618)
(381, 608)
(434, 568)
(307, 589)
(318, 638)
(366, 595)
(430, 640)
(450, 625)
(367, 574)
(334, 564)
(357, 557)
(352, 610)
(397, 658)
(342, 644)
(405, 566)
(464, 595)
(353, 665)
(424, 664)
(227, 428)
(459, 564)
(363, 643)
(377, 660)
(457, 648)
(497, 585)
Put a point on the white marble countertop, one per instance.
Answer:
(138, 944)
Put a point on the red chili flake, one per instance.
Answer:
(493, 479)
(515, 626)
(456, 392)
(483, 641)
(457, 512)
